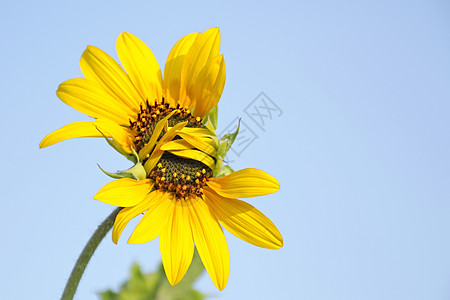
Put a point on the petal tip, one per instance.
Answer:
(124, 36)
(215, 30)
(221, 285)
(277, 184)
(279, 243)
(174, 280)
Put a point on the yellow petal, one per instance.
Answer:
(87, 97)
(70, 131)
(210, 242)
(174, 65)
(177, 244)
(98, 66)
(155, 135)
(141, 66)
(244, 183)
(124, 216)
(198, 132)
(155, 219)
(205, 49)
(244, 221)
(197, 155)
(209, 86)
(204, 145)
(176, 145)
(153, 160)
(122, 135)
(124, 192)
(157, 152)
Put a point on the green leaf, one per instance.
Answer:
(108, 295)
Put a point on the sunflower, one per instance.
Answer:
(128, 104)
(167, 128)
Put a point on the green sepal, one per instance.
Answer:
(210, 119)
(118, 175)
(133, 157)
(227, 141)
(226, 170)
(224, 146)
(136, 172)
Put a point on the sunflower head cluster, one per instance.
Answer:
(167, 127)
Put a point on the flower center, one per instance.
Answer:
(180, 176)
(150, 115)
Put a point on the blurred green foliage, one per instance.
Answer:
(155, 286)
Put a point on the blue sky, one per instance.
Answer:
(361, 148)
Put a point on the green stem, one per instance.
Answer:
(86, 254)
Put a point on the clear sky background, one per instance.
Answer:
(361, 149)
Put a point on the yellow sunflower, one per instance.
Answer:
(127, 103)
(167, 128)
